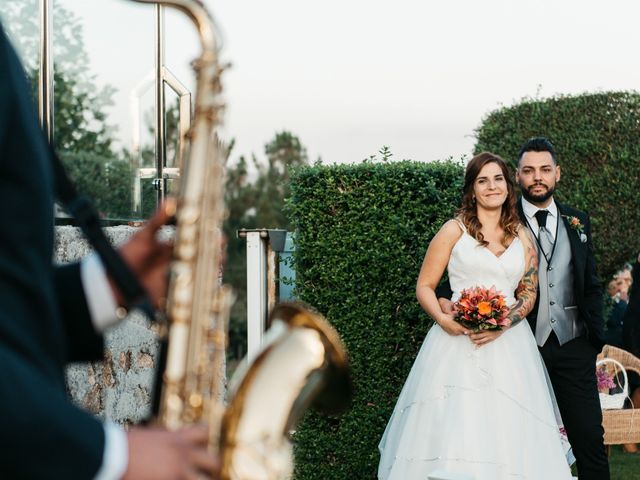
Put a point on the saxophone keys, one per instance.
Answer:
(195, 400)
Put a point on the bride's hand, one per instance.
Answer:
(485, 336)
(452, 327)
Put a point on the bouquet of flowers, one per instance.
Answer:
(481, 308)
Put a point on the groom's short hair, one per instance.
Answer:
(538, 144)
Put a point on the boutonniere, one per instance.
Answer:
(575, 224)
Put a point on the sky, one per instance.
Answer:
(350, 76)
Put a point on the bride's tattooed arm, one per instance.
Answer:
(528, 286)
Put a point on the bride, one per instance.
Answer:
(477, 405)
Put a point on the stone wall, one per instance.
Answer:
(119, 387)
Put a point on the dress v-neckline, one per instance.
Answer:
(497, 257)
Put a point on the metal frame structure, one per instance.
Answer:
(161, 144)
(184, 95)
(162, 76)
(45, 78)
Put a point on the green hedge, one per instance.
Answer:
(109, 183)
(362, 231)
(597, 138)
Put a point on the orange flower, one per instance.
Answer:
(480, 308)
(484, 308)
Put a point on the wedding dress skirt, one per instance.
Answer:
(484, 413)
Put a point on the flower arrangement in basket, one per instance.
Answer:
(605, 376)
(480, 308)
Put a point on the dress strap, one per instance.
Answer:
(460, 224)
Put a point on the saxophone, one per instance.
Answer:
(303, 362)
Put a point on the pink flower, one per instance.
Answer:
(605, 380)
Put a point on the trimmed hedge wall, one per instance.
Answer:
(108, 181)
(597, 139)
(362, 231)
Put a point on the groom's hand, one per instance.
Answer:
(446, 305)
(452, 327)
(448, 323)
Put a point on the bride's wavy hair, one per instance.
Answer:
(468, 212)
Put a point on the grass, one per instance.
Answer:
(623, 466)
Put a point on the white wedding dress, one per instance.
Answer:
(476, 413)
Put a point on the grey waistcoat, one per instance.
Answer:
(557, 309)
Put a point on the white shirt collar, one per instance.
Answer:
(530, 209)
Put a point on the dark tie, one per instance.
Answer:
(543, 327)
(541, 217)
(544, 235)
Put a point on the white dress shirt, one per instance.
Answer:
(103, 308)
(530, 211)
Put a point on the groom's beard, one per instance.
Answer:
(540, 197)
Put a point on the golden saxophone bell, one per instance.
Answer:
(302, 364)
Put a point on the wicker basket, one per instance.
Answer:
(614, 401)
(621, 426)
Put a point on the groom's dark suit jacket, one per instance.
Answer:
(587, 286)
(44, 318)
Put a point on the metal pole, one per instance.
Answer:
(161, 148)
(185, 113)
(263, 246)
(256, 291)
(136, 153)
(45, 75)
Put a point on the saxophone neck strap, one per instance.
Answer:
(82, 210)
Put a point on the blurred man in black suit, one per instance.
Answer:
(47, 320)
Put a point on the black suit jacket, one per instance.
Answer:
(44, 318)
(587, 286)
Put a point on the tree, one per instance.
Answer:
(82, 134)
(80, 124)
(22, 22)
(106, 179)
(80, 121)
(284, 154)
(256, 202)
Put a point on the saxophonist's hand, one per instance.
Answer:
(148, 256)
(157, 454)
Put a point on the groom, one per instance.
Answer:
(567, 318)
